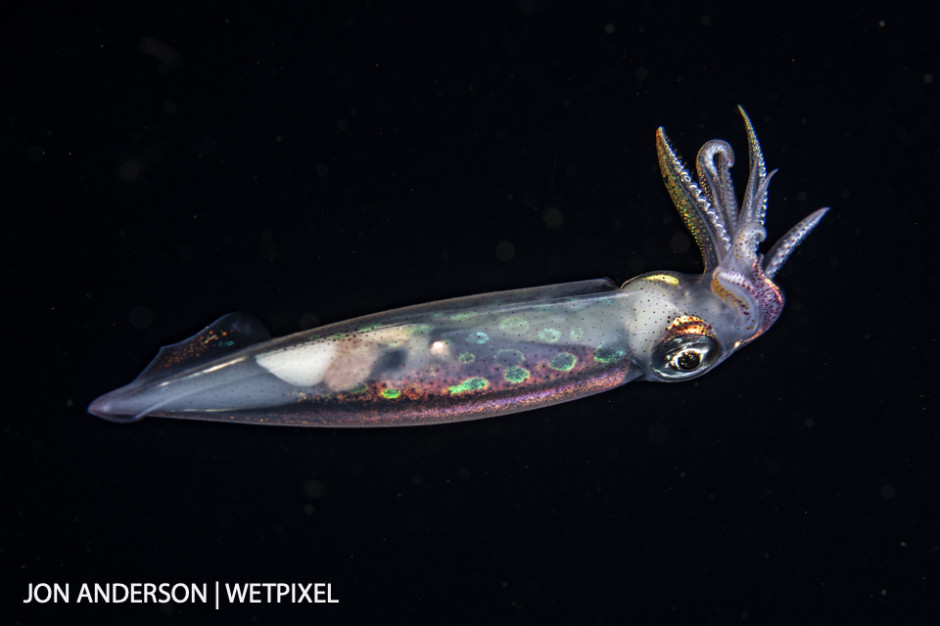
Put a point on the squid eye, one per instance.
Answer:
(684, 356)
(688, 360)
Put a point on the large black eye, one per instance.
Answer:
(684, 356)
(688, 360)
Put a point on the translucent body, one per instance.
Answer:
(496, 353)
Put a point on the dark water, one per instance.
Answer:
(308, 164)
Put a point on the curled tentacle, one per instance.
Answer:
(714, 162)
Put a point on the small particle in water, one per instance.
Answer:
(505, 251)
(140, 317)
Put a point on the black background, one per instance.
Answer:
(169, 163)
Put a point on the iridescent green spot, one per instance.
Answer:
(516, 325)
(391, 393)
(471, 384)
(563, 362)
(508, 357)
(516, 374)
(369, 328)
(478, 337)
(577, 332)
(466, 357)
(609, 354)
(360, 388)
(549, 335)
(459, 317)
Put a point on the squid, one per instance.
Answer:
(496, 353)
